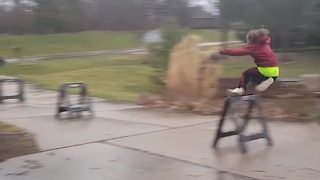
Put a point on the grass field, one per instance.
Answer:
(213, 35)
(83, 41)
(119, 78)
(64, 43)
(115, 78)
(124, 78)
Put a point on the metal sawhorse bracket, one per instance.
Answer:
(229, 110)
(20, 93)
(64, 103)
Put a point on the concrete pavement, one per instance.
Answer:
(125, 141)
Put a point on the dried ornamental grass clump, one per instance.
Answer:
(191, 74)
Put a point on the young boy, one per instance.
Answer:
(267, 69)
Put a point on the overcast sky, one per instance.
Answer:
(10, 2)
(203, 3)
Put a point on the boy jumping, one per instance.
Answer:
(267, 69)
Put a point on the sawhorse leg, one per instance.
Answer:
(219, 133)
(253, 102)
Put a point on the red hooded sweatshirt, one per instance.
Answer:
(262, 53)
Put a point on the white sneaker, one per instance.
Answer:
(236, 91)
(264, 85)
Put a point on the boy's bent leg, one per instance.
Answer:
(244, 80)
(248, 75)
(267, 76)
(264, 85)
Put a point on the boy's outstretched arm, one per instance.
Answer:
(236, 52)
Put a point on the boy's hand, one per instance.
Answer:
(216, 56)
(219, 51)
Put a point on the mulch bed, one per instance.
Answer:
(15, 142)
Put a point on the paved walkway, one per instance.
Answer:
(126, 141)
(26, 59)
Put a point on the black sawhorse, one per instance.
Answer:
(64, 103)
(229, 110)
(20, 89)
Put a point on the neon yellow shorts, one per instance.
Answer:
(269, 71)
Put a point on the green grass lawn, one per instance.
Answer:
(116, 78)
(124, 78)
(211, 35)
(84, 41)
(120, 78)
(67, 42)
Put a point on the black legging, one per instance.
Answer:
(252, 75)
